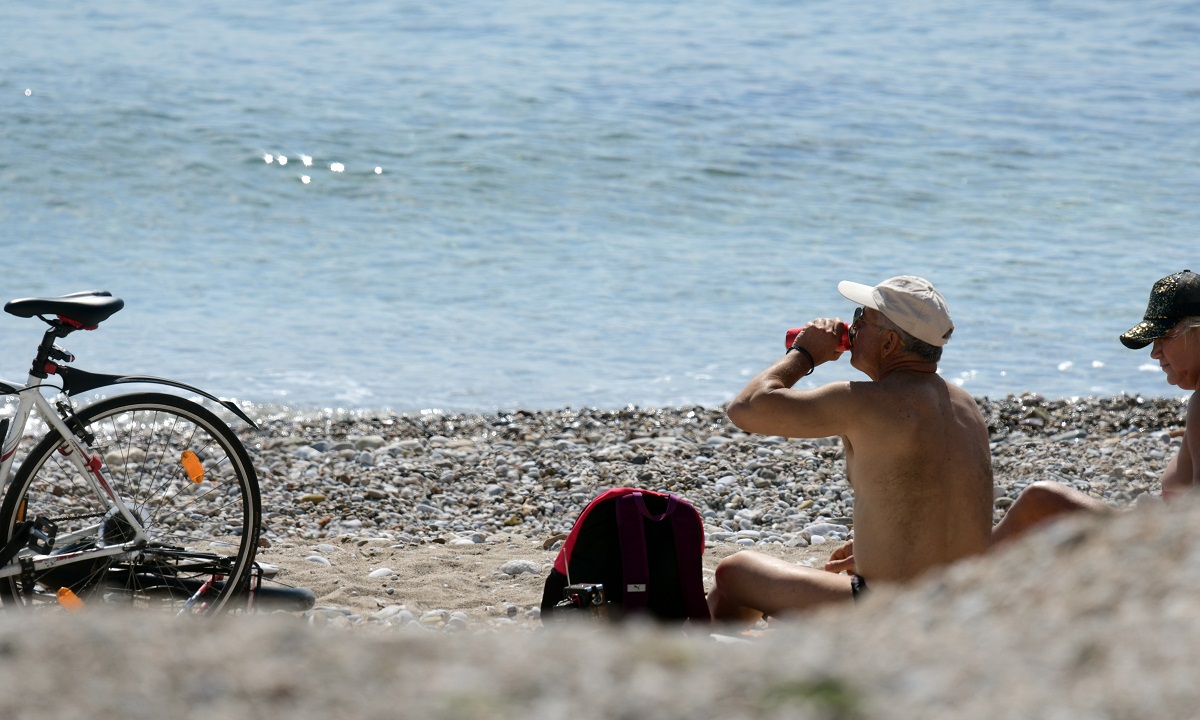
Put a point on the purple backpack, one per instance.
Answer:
(643, 548)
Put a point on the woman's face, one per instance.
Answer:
(1178, 353)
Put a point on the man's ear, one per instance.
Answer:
(891, 344)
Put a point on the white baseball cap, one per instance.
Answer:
(910, 302)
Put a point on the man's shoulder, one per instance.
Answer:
(930, 392)
(916, 385)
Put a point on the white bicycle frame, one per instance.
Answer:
(85, 463)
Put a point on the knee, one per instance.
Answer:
(730, 599)
(724, 570)
(732, 570)
(1048, 496)
(1039, 493)
(1044, 500)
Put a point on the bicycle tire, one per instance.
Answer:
(199, 529)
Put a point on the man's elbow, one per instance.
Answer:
(741, 413)
(734, 413)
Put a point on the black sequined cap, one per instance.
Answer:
(1172, 299)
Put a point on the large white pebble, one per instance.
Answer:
(516, 567)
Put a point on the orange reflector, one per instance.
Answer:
(191, 463)
(69, 600)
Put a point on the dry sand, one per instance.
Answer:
(450, 578)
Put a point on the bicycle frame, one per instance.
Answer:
(31, 398)
(75, 381)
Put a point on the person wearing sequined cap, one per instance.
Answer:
(916, 453)
(1171, 327)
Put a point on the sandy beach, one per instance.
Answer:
(426, 540)
(365, 583)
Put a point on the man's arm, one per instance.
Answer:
(1183, 472)
(768, 405)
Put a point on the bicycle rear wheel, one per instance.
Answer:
(180, 470)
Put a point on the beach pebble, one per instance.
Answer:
(516, 567)
(381, 572)
(389, 612)
(318, 560)
(825, 529)
(1068, 435)
(434, 617)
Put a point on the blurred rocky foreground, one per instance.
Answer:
(1092, 618)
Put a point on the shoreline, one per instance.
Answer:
(311, 412)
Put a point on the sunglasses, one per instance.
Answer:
(852, 331)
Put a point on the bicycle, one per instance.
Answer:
(145, 499)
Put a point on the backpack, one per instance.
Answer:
(631, 552)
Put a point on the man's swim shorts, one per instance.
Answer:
(858, 587)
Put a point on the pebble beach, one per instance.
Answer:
(426, 539)
(371, 491)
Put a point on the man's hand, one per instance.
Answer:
(842, 559)
(821, 338)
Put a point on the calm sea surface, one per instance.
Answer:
(481, 205)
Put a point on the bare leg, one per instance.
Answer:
(1039, 503)
(750, 585)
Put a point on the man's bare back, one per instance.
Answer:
(917, 453)
(919, 462)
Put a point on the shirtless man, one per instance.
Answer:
(1171, 326)
(916, 448)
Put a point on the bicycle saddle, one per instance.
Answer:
(88, 309)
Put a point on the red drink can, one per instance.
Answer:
(843, 344)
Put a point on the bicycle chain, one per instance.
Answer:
(67, 518)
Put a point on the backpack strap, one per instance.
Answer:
(635, 566)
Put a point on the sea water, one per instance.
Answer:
(488, 205)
